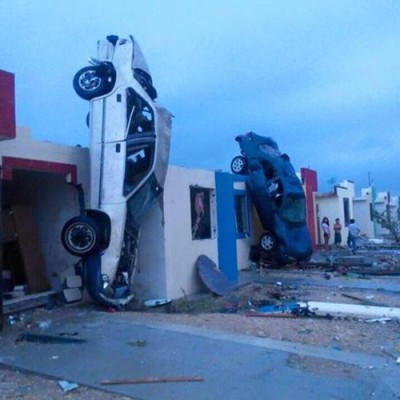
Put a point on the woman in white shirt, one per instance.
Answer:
(326, 231)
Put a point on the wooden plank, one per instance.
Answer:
(26, 302)
(153, 380)
(31, 251)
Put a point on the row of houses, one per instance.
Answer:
(343, 203)
(38, 195)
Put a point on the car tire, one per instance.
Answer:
(239, 165)
(94, 81)
(81, 236)
(268, 242)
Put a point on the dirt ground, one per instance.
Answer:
(234, 313)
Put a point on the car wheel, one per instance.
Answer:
(268, 242)
(94, 81)
(239, 165)
(81, 236)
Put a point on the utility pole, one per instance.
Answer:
(373, 198)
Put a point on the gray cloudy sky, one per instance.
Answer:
(320, 77)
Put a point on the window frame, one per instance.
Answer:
(245, 211)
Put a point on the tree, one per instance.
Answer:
(385, 220)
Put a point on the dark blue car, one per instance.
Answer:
(278, 197)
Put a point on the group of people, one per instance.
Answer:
(337, 229)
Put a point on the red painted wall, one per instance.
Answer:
(7, 106)
(309, 178)
(11, 163)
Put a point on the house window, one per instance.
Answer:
(346, 211)
(200, 213)
(241, 215)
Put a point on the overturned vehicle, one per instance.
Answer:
(278, 197)
(129, 150)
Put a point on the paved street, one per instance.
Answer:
(233, 366)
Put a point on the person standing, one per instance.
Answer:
(337, 228)
(354, 230)
(326, 232)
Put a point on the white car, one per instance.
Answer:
(129, 150)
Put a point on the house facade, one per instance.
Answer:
(335, 204)
(342, 203)
(202, 213)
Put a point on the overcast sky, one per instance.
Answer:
(320, 77)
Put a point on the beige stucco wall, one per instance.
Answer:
(181, 251)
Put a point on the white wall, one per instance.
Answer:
(362, 215)
(181, 251)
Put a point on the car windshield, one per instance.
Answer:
(295, 209)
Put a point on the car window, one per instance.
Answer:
(139, 160)
(140, 138)
(294, 209)
(139, 114)
(269, 150)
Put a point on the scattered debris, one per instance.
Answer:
(137, 343)
(156, 302)
(212, 276)
(366, 301)
(69, 334)
(47, 339)
(72, 295)
(68, 386)
(288, 308)
(350, 260)
(27, 302)
(44, 324)
(381, 320)
(153, 380)
(271, 314)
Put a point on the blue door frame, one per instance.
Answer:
(227, 248)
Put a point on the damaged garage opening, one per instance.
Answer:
(34, 195)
